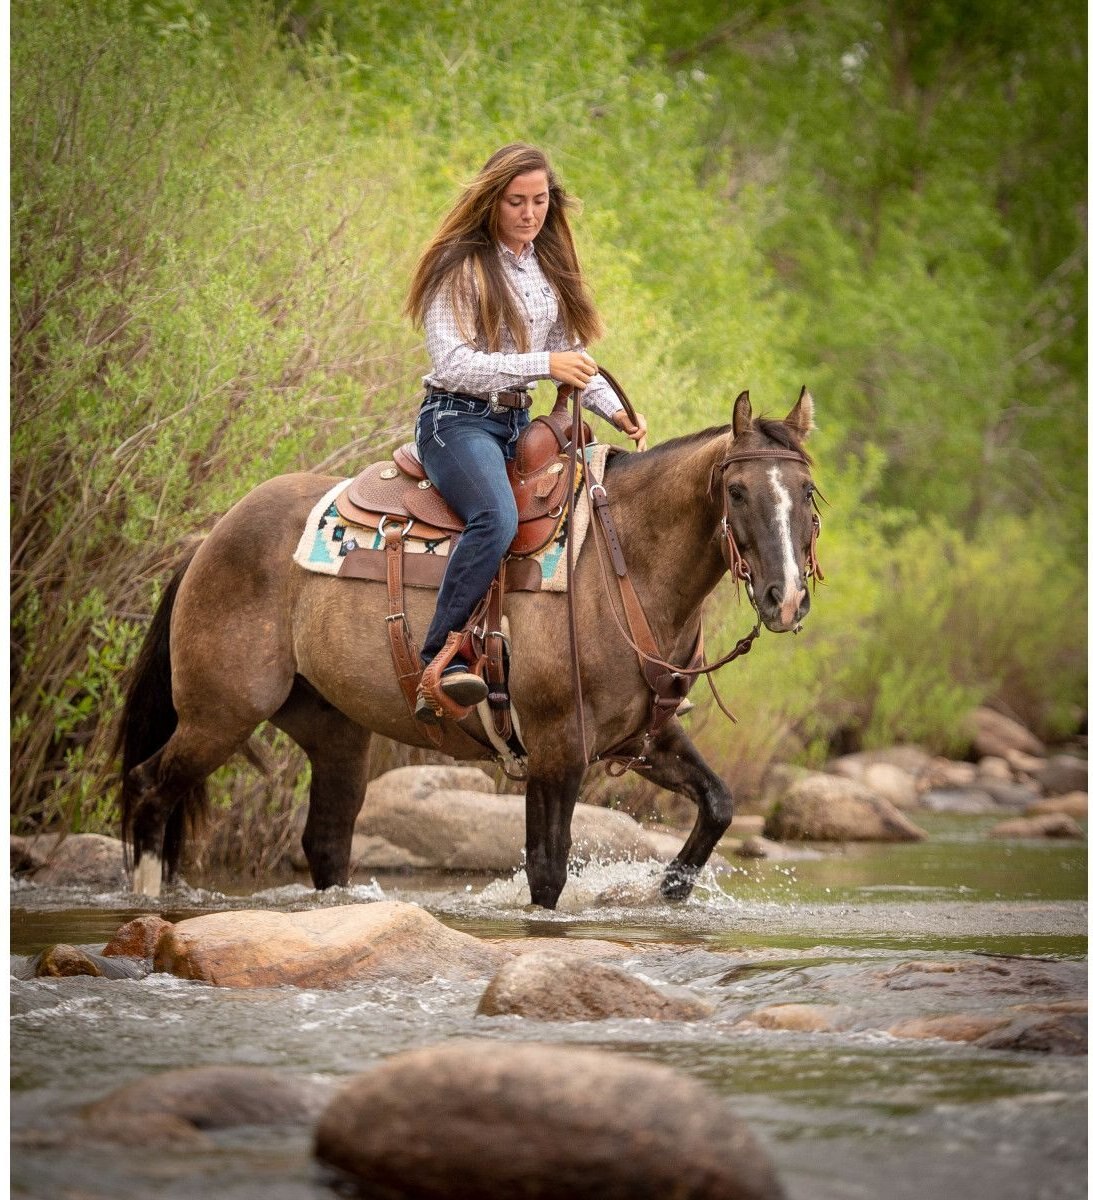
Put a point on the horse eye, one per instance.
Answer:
(810, 491)
(736, 494)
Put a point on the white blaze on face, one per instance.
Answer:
(792, 592)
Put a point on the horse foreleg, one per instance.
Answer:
(549, 814)
(677, 765)
(338, 750)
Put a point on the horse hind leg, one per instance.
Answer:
(167, 794)
(337, 748)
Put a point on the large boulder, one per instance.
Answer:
(552, 986)
(458, 830)
(80, 860)
(324, 947)
(826, 808)
(417, 782)
(172, 1105)
(516, 1122)
(137, 938)
(884, 779)
(996, 735)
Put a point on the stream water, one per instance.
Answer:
(844, 1115)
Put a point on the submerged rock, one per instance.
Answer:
(1047, 825)
(529, 1121)
(829, 808)
(804, 1018)
(969, 801)
(324, 947)
(174, 1104)
(549, 986)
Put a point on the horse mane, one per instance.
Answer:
(776, 431)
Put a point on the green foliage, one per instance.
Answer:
(216, 207)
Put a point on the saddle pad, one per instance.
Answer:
(332, 545)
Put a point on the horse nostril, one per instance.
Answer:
(773, 595)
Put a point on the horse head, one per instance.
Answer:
(769, 523)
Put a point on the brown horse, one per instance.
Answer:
(243, 635)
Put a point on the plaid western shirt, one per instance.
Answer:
(458, 366)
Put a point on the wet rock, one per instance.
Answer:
(761, 847)
(803, 1018)
(983, 978)
(885, 779)
(951, 1027)
(475, 831)
(174, 1105)
(1074, 804)
(1048, 825)
(28, 854)
(1052, 1033)
(84, 860)
(417, 782)
(970, 801)
(137, 938)
(322, 947)
(378, 854)
(58, 962)
(1024, 764)
(995, 735)
(549, 986)
(827, 808)
(1063, 773)
(777, 780)
(575, 947)
(528, 1121)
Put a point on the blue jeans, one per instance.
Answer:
(464, 447)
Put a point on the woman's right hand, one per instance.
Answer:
(573, 367)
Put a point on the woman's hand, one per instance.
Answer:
(636, 432)
(573, 367)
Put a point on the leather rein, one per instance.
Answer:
(669, 682)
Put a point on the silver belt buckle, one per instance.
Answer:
(494, 406)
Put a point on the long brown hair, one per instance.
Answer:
(462, 258)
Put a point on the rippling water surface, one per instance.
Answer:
(844, 1115)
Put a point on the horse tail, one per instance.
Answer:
(147, 721)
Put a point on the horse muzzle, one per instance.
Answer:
(782, 610)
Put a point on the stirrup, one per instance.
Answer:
(431, 691)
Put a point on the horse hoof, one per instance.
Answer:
(677, 885)
(148, 876)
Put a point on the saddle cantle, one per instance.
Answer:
(400, 491)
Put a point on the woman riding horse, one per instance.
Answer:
(500, 294)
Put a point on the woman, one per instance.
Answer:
(500, 295)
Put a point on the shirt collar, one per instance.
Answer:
(528, 252)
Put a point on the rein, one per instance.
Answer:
(671, 683)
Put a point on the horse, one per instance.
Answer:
(243, 635)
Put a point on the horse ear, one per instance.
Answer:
(741, 415)
(801, 414)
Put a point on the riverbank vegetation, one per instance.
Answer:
(216, 207)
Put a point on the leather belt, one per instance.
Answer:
(518, 398)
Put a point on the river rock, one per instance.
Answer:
(59, 962)
(897, 785)
(1074, 804)
(983, 978)
(1008, 795)
(777, 780)
(910, 759)
(992, 767)
(513, 1122)
(994, 734)
(476, 831)
(828, 808)
(1024, 764)
(29, 854)
(950, 1027)
(761, 847)
(1063, 773)
(548, 986)
(172, 1104)
(1047, 1033)
(969, 801)
(802, 1018)
(85, 860)
(321, 948)
(943, 774)
(1048, 825)
(417, 782)
(137, 938)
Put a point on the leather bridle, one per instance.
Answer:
(669, 682)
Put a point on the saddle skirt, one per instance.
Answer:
(399, 491)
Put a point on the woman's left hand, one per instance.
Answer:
(636, 432)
